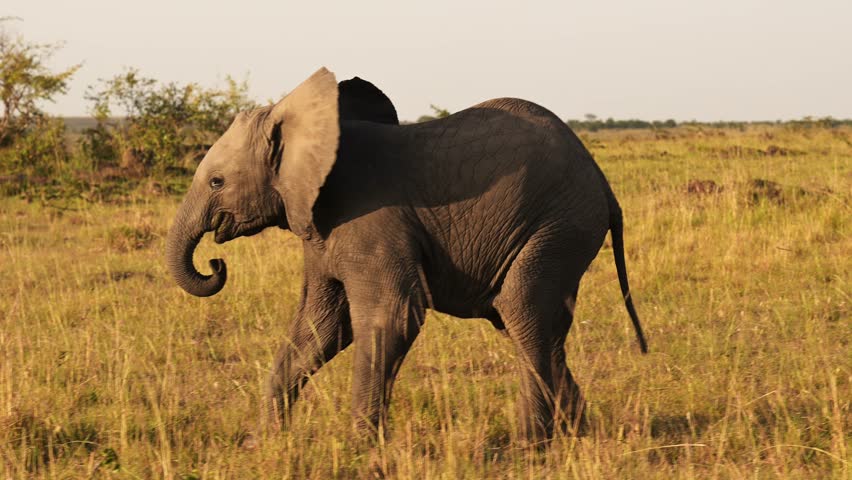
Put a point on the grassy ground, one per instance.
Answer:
(107, 369)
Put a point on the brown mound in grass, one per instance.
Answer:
(703, 187)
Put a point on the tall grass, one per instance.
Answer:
(107, 369)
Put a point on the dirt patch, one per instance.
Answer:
(758, 190)
(754, 191)
(119, 276)
(125, 275)
(776, 151)
(739, 151)
(703, 187)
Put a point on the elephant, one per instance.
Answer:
(494, 212)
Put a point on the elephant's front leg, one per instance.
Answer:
(385, 322)
(319, 331)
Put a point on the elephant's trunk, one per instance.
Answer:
(183, 237)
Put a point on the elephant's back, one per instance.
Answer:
(536, 116)
(522, 109)
(507, 122)
(494, 143)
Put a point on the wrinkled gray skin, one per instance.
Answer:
(494, 212)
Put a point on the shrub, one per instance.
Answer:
(162, 122)
(37, 151)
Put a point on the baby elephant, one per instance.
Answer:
(495, 211)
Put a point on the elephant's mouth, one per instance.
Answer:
(227, 229)
(223, 228)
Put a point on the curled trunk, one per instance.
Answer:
(180, 246)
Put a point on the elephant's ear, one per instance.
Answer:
(361, 100)
(308, 130)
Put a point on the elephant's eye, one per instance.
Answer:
(216, 183)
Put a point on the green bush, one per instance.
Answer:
(162, 123)
(98, 146)
(37, 160)
(37, 151)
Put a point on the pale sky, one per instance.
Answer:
(648, 59)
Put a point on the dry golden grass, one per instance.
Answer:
(107, 369)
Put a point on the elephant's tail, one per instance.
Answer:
(616, 226)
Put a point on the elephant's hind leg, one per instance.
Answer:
(533, 303)
(569, 404)
(320, 329)
(545, 380)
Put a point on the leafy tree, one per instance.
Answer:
(26, 81)
(158, 124)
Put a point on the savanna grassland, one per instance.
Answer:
(739, 248)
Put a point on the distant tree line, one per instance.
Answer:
(593, 124)
(806, 122)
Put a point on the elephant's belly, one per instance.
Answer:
(470, 248)
(461, 309)
(466, 289)
(478, 309)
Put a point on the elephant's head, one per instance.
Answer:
(265, 170)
